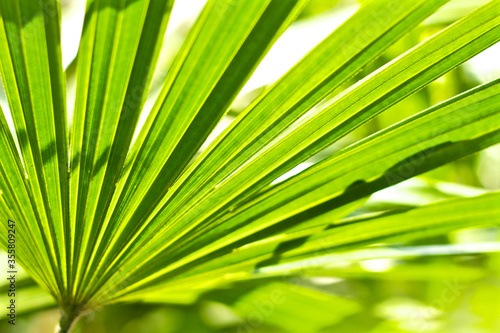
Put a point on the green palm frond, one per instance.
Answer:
(108, 210)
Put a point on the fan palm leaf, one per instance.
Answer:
(108, 210)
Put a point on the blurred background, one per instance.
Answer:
(450, 287)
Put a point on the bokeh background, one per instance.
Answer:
(458, 291)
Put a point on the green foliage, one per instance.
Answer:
(109, 210)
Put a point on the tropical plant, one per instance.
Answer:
(104, 216)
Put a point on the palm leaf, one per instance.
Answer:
(114, 210)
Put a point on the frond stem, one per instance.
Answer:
(67, 321)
